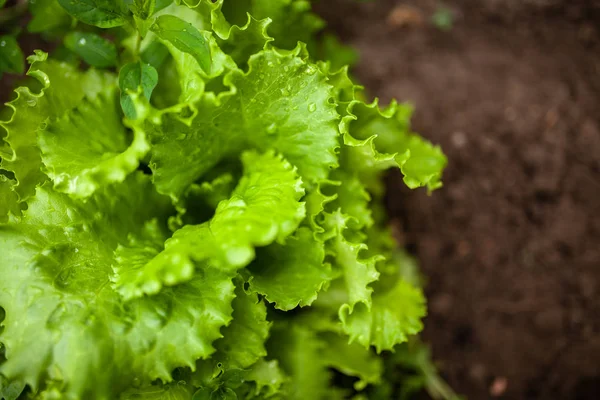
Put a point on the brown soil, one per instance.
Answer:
(511, 244)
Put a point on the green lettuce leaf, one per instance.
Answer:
(63, 87)
(298, 350)
(394, 316)
(291, 275)
(357, 273)
(64, 322)
(263, 208)
(265, 380)
(292, 21)
(9, 200)
(243, 342)
(376, 140)
(171, 391)
(281, 103)
(351, 360)
(88, 147)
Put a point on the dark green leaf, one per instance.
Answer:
(160, 4)
(101, 13)
(155, 54)
(185, 37)
(47, 15)
(93, 49)
(131, 77)
(141, 8)
(11, 56)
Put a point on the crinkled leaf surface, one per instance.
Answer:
(298, 350)
(281, 103)
(88, 147)
(291, 275)
(171, 391)
(263, 208)
(243, 342)
(394, 316)
(63, 87)
(9, 200)
(64, 323)
(376, 140)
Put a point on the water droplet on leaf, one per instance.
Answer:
(271, 129)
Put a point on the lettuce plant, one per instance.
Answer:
(190, 208)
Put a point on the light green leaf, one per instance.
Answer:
(63, 87)
(293, 21)
(89, 147)
(351, 360)
(11, 56)
(9, 200)
(376, 140)
(201, 200)
(281, 103)
(357, 273)
(263, 208)
(171, 391)
(185, 37)
(132, 77)
(64, 322)
(92, 48)
(239, 41)
(299, 352)
(100, 13)
(267, 378)
(10, 391)
(352, 198)
(291, 275)
(243, 341)
(394, 316)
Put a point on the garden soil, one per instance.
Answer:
(510, 245)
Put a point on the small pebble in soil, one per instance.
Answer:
(498, 386)
(405, 17)
(459, 139)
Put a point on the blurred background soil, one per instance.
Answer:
(511, 244)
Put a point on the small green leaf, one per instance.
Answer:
(142, 25)
(142, 8)
(185, 37)
(155, 54)
(131, 77)
(93, 49)
(100, 13)
(11, 56)
(47, 15)
(2, 2)
(160, 4)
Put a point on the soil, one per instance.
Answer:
(511, 244)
